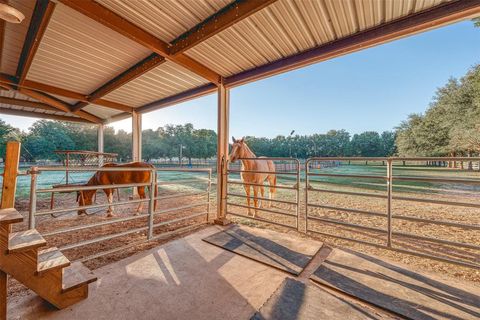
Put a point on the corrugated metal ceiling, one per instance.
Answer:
(165, 80)
(19, 96)
(79, 54)
(288, 27)
(165, 19)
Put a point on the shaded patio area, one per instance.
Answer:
(191, 279)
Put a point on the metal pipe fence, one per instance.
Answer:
(146, 222)
(394, 239)
(290, 167)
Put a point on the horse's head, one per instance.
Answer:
(238, 150)
(84, 198)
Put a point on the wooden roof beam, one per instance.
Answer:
(27, 103)
(37, 86)
(437, 16)
(142, 67)
(38, 24)
(30, 114)
(60, 105)
(221, 20)
(115, 22)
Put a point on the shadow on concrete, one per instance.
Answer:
(403, 291)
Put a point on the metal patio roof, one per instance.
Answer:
(98, 61)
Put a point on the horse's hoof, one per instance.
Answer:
(109, 215)
(136, 213)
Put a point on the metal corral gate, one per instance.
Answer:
(147, 228)
(287, 172)
(314, 173)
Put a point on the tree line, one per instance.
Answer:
(451, 124)
(45, 136)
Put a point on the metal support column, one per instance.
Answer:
(222, 152)
(100, 139)
(136, 141)
(136, 136)
(389, 201)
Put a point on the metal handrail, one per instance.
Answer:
(150, 198)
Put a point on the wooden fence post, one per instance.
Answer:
(8, 201)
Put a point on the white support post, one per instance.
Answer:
(222, 153)
(100, 148)
(136, 136)
(136, 141)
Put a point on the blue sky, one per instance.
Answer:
(374, 89)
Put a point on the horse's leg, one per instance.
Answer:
(262, 192)
(109, 194)
(272, 181)
(255, 199)
(141, 194)
(247, 192)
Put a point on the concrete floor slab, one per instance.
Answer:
(295, 300)
(390, 286)
(183, 279)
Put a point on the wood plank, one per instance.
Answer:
(115, 22)
(412, 294)
(216, 23)
(51, 259)
(75, 276)
(25, 240)
(10, 172)
(38, 24)
(9, 216)
(441, 15)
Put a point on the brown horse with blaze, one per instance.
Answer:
(84, 197)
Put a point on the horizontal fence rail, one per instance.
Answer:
(247, 171)
(393, 239)
(146, 222)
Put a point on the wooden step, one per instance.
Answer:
(75, 276)
(9, 216)
(25, 240)
(51, 259)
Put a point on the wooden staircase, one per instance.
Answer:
(46, 271)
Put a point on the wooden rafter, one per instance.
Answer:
(38, 24)
(37, 86)
(178, 98)
(115, 22)
(27, 103)
(23, 113)
(216, 23)
(128, 75)
(437, 16)
(60, 105)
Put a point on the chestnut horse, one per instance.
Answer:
(240, 150)
(84, 197)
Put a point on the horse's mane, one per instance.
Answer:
(249, 150)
